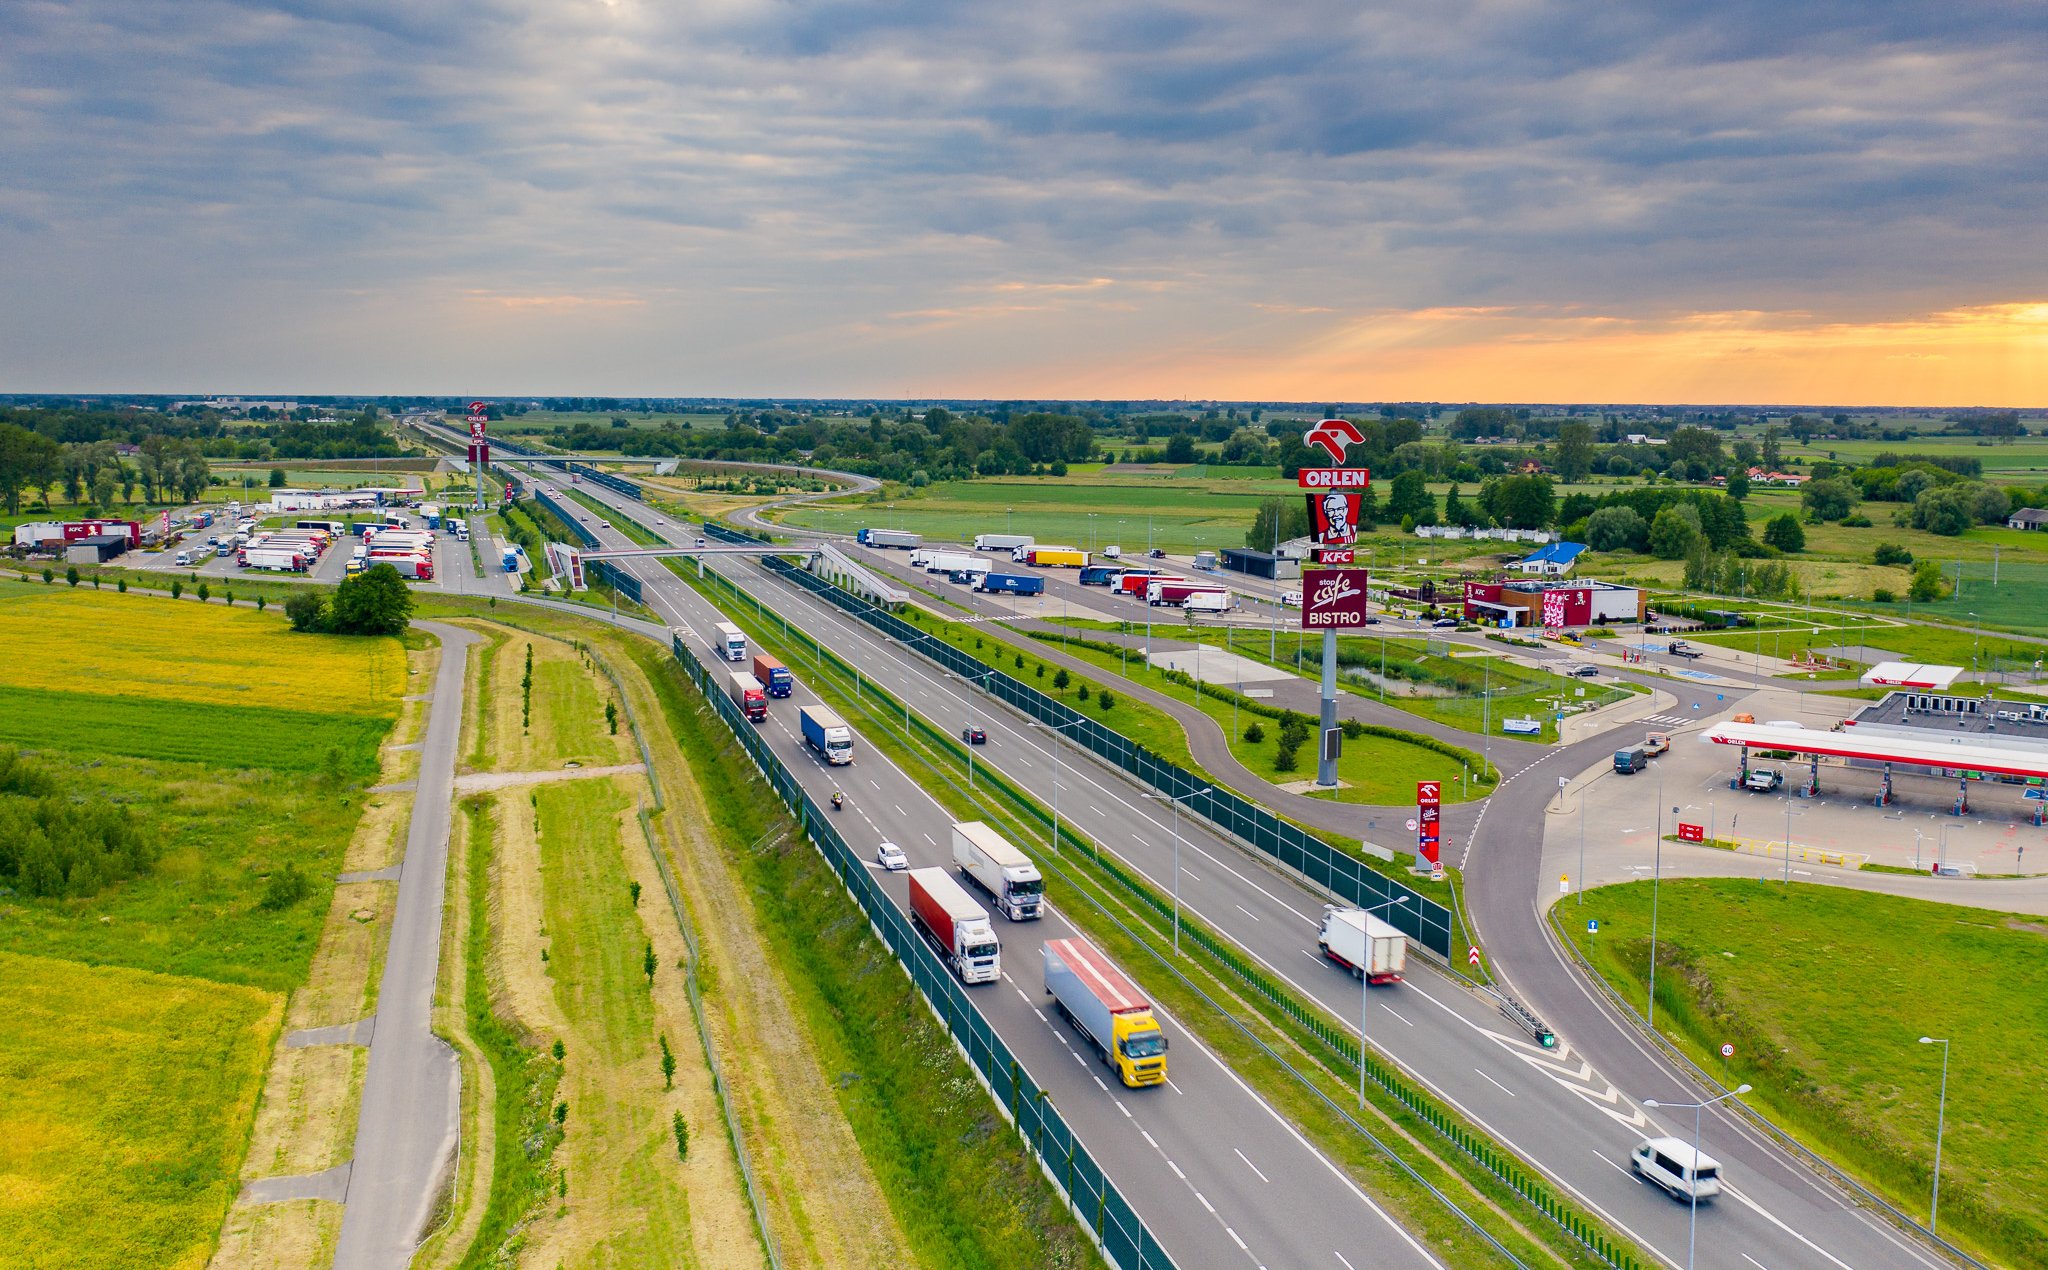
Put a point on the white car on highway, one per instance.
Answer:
(891, 857)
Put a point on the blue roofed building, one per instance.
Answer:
(1553, 561)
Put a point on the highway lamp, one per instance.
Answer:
(1365, 982)
(1057, 771)
(1173, 802)
(1693, 1223)
(1656, 885)
(1789, 813)
(1940, 1120)
(1582, 847)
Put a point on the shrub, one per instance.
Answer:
(1283, 759)
(1857, 521)
(205, 593)
(286, 887)
(71, 575)
(1253, 733)
(1883, 595)
(1891, 553)
(306, 610)
(49, 575)
(1083, 694)
(121, 585)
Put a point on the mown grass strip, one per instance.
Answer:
(192, 731)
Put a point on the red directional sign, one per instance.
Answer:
(1428, 811)
(1692, 833)
(1472, 957)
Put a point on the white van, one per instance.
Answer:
(1682, 1172)
(184, 558)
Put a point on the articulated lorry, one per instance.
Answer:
(1108, 1009)
(957, 926)
(278, 559)
(994, 864)
(1209, 600)
(748, 694)
(1363, 944)
(410, 564)
(1134, 581)
(774, 676)
(1001, 542)
(729, 641)
(826, 733)
(1013, 583)
(889, 538)
(1053, 557)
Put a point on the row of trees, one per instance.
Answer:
(365, 433)
(93, 472)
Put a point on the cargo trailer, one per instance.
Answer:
(994, 864)
(1108, 1009)
(889, 538)
(1001, 542)
(1363, 944)
(774, 676)
(956, 926)
(748, 694)
(826, 733)
(729, 641)
(1013, 583)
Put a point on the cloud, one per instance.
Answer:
(245, 190)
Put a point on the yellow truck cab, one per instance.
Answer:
(1108, 1009)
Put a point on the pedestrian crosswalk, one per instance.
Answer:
(1670, 720)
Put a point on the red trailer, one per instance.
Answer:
(1135, 581)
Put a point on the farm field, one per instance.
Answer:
(190, 732)
(1786, 975)
(151, 646)
(127, 1100)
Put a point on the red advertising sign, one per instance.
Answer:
(1332, 599)
(1335, 555)
(1692, 833)
(1333, 518)
(1334, 478)
(1428, 813)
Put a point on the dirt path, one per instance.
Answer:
(480, 782)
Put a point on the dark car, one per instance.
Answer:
(1444, 622)
(1157, 553)
(974, 736)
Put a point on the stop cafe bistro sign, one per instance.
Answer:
(1332, 599)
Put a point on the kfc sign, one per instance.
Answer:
(1332, 599)
(1428, 817)
(1553, 610)
(1333, 478)
(1333, 518)
(1335, 555)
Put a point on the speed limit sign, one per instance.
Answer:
(1727, 1051)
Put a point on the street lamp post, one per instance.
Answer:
(1057, 771)
(1173, 803)
(1365, 982)
(1656, 885)
(1693, 1224)
(1789, 813)
(1940, 1120)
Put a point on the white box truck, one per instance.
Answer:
(992, 863)
(1209, 601)
(957, 926)
(1363, 944)
(1001, 542)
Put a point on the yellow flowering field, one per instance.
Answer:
(111, 644)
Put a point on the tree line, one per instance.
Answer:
(55, 842)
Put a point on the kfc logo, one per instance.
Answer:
(1334, 436)
(1333, 518)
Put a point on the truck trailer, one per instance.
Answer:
(1013, 583)
(1108, 1009)
(748, 694)
(1056, 557)
(994, 864)
(828, 734)
(953, 562)
(729, 641)
(1173, 591)
(1100, 574)
(1363, 944)
(275, 559)
(1209, 600)
(1001, 542)
(1134, 581)
(957, 926)
(889, 538)
(419, 568)
(774, 676)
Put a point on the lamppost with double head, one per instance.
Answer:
(1693, 1224)
(1057, 769)
(1173, 802)
(1365, 982)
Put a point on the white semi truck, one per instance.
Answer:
(994, 864)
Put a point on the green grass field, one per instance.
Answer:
(1824, 993)
(189, 732)
(125, 1105)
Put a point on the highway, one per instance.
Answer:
(1559, 1109)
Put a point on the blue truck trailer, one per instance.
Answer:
(1014, 583)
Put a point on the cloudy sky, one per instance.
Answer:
(1830, 201)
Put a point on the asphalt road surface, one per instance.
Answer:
(1574, 1112)
(409, 1121)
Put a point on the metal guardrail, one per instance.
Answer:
(1421, 918)
(1096, 1202)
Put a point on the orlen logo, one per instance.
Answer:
(1335, 436)
(1330, 590)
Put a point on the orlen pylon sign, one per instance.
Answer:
(1335, 492)
(479, 445)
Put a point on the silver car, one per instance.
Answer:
(891, 857)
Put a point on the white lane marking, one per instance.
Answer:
(1616, 1167)
(1341, 1257)
(1205, 1202)
(1753, 1261)
(929, 838)
(1496, 1084)
(1253, 1167)
(1176, 1088)
(1233, 1235)
(1768, 1216)
(1247, 912)
(1176, 1170)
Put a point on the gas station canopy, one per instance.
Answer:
(1906, 674)
(1960, 753)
